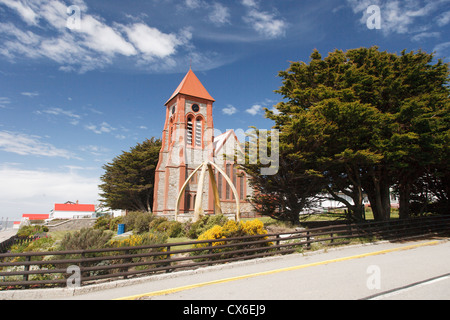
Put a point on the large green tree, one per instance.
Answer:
(377, 119)
(129, 179)
(286, 194)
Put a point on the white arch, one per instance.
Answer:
(207, 165)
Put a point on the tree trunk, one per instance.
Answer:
(378, 192)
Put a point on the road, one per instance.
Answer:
(6, 234)
(412, 270)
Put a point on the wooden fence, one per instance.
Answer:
(50, 269)
(5, 245)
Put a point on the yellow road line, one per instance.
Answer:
(253, 275)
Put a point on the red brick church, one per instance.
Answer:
(187, 141)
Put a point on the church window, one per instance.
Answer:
(227, 189)
(234, 174)
(198, 132)
(171, 131)
(241, 187)
(188, 200)
(189, 131)
(219, 185)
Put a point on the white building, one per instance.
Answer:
(70, 210)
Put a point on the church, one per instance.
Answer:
(188, 141)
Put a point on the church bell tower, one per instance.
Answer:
(187, 142)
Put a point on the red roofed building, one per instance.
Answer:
(70, 210)
(34, 217)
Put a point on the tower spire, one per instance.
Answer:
(191, 86)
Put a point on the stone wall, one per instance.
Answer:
(74, 225)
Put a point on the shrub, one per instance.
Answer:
(154, 224)
(139, 240)
(138, 221)
(29, 231)
(204, 223)
(141, 225)
(173, 229)
(85, 239)
(232, 229)
(43, 244)
(108, 223)
(102, 223)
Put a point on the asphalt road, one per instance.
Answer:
(417, 270)
(6, 234)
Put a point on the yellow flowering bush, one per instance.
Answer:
(232, 229)
(139, 240)
(214, 233)
(253, 227)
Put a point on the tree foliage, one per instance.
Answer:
(368, 122)
(129, 179)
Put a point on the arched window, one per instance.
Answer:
(171, 131)
(198, 132)
(242, 186)
(188, 201)
(189, 131)
(219, 185)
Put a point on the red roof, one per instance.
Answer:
(35, 216)
(191, 86)
(74, 207)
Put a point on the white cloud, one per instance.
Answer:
(402, 17)
(94, 45)
(26, 145)
(94, 150)
(220, 14)
(249, 3)
(193, 4)
(425, 35)
(265, 23)
(216, 12)
(102, 128)
(229, 110)
(443, 19)
(443, 50)
(74, 118)
(26, 13)
(33, 191)
(103, 38)
(30, 94)
(254, 110)
(4, 102)
(151, 42)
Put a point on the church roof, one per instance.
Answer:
(191, 86)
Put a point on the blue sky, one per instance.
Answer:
(78, 88)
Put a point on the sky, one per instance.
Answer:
(81, 81)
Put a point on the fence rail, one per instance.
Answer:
(50, 269)
(15, 239)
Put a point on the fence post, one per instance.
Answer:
(125, 269)
(308, 244)
(278, 242)
(168, 258)
(82, 264)
(26, 268)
